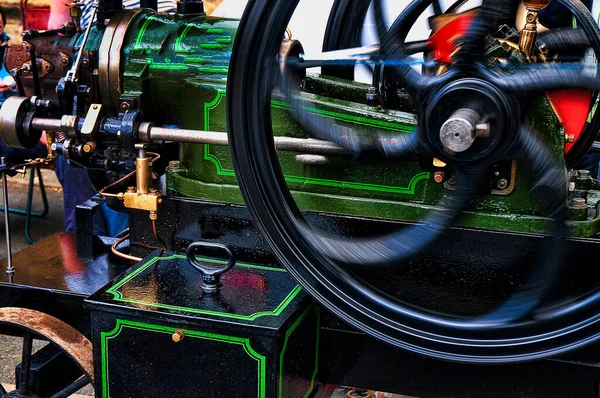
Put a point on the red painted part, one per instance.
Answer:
(572, 107)
(444, 41)
(34, 17)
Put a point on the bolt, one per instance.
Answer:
(125, 106)
(578, 202)
(65, 61)
(502, 183)
(47, 67)
(439, 177)
(85, 62)
(95, 107)
(27, 48)
(452, 181)
(153, 216)
(174, 164)
(131, 189)
(372, 96)
(583, 173)
(570, 138)
(89, 147)
(96, 72)
(152, 190)
(178, 335)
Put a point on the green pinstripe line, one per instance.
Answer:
(121, 324)
(118, 296)
(181, 37)
(221, 171)
(142, 31)
(288, 333)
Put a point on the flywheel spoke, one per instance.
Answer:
(547, 77)
(550, 187)
(25, 363)
(396, 247)
(73, 387)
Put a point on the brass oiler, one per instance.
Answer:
(529, 32)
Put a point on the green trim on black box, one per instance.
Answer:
(118, 296)
(121, 324)
(283, 350)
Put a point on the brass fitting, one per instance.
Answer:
(529, 32)
(142, 196)
(439, 177)
(89, 147)
(178, 335)
(143, 173)
(142, 201)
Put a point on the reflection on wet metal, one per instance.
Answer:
(169, 284)
(53, 264)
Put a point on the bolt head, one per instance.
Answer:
(439, 177)
(578, 202)
(174, 164)
(125, 106)
(178, 335)
(502, 183)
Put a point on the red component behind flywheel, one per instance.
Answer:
(572, 107)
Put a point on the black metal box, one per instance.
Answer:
(157, 334)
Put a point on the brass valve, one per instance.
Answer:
(142, 196)
(529, 32)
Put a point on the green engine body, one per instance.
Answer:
(174, 67)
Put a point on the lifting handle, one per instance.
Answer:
(211, 275)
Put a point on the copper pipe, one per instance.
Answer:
(155, 232)
(116, 252)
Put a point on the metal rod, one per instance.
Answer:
(39, 123)
(10, 270)
(72, 73)
(73, 387)
(25, 363)
(303, 145)
(37, 86)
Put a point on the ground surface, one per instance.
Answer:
(10, 347)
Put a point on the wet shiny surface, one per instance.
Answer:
(251, 293)
(53, 264)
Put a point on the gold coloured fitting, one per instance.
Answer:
(178, 335)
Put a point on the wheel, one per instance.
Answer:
(337, 270)
(39, 325)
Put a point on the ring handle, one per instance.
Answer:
(210, 275)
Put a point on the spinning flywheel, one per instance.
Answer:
(473, 110)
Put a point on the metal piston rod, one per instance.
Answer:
(147, 132)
